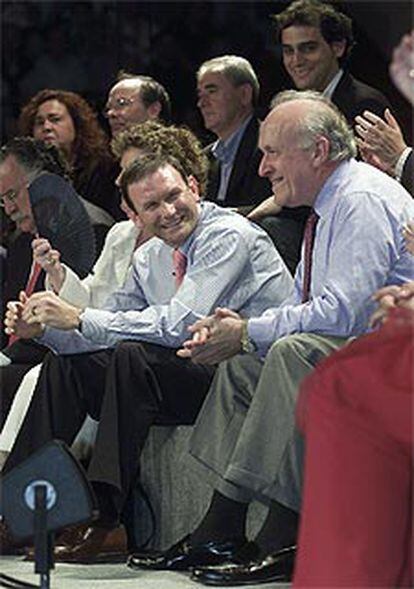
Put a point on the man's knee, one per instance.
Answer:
(308, 348)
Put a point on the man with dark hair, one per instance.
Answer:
(316, 43)
(135, 99)
(216, 258)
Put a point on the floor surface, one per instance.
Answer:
(68, 576)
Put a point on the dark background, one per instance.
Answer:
(81, 45)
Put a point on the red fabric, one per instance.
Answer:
(30, 286)
(308, 239)
(180, 266)
(356, 411)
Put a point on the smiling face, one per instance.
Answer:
(15, 195)
(309, 60)
(166, 205)
(53, 124)
(222, 105)
(292, 171)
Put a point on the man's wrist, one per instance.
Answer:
(246, 343)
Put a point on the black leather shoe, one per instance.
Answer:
(276, 567)
(184, 556)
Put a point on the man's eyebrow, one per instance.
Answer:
(210, 86)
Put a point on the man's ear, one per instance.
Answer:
(153, 110)
(246, 94)
(338, 48)
(321, 151)
(194, 187)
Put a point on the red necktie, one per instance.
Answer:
(180, 266)
(30, 286)
(308, 238)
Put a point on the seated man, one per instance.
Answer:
(245, 432)
(219, 258)
(112, 267)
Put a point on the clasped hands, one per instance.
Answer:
(27, 317)
(214, 339)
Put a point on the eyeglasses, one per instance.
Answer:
(9, 196)
(117, 104)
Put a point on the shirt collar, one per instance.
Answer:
(225, 151)
(328, 194)
(331, 87)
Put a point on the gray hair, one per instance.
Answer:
(35, 157)
(236, 69)
(322, 119)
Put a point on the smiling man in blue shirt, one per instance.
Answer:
(228, 261)
(245, 432)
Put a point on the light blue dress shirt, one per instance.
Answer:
(359, 247)
(225, 152)
(230, 263)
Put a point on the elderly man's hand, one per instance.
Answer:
(215, 338)
(14, 323)
(49, 309)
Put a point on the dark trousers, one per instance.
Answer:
(127, 389)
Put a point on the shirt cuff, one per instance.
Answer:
(399, 166)
(260, 330)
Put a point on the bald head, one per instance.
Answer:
(136, 99)
(303, 139)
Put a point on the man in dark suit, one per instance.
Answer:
(316, 43)
(228, 90)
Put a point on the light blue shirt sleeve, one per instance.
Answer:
(214, 265)
(359, 247)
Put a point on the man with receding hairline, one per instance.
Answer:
(245, 432)
(136, 99)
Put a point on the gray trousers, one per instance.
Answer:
(245, 433)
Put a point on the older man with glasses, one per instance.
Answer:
(136, 99)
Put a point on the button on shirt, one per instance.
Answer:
(359, 247)
(230, 263)
(225, 152)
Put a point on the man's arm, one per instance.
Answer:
(219, 264)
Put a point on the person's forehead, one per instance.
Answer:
(52, 104)
(164, 177)
(10, 169)
(296, 34)
(213, 79)
(126, 88)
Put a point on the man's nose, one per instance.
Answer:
(9, 206)
(264, 166)
(169, 209)
(201, 101)
(296, 57)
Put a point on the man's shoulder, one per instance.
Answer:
(362, 185)
(352, 97)
(220, 221)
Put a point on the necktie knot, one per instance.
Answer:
(180, 266)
